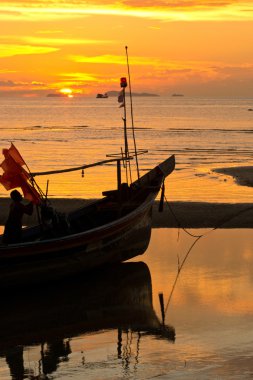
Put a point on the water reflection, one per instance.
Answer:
(117, 298)
(106, 327)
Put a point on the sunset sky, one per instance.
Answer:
(194, 47)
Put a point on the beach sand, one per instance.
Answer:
(177, 214)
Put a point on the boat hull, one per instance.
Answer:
(126, 234)
(79, 253)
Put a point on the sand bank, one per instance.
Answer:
(184, 214)
(243, 175)
(188, 214)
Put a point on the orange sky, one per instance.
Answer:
(174, 46)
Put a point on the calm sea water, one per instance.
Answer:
(57, 133)
(112, 328)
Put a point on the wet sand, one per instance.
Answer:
(243, 175)
(183, 214)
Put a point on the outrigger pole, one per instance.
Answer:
(80, 167)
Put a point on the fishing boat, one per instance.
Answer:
(102, 96)
(113, 229)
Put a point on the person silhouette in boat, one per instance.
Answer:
(13, 225)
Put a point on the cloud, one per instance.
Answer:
(7, 71)
(114, 59)
(202, 78)
(131, 3)
(39, 84)
(178, 10)
(80, 77)
(177, 4)
(8, 83)
(244, 71)
(14, 45)
(13, 50)
(63, 41)
(50, 31)
(6, 12)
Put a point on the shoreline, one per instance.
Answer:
(177, 214)
(185, 214)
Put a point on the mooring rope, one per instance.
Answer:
(224, 221)
(197, 238)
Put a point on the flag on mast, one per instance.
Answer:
(121, 98)
(16, 176)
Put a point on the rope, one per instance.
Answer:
(197, 238)
(180, 267)
(178, 222)
(224, 221)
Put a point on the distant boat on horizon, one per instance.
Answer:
(102, 96)
(177, 95)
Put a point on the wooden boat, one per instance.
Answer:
(111, 230)
(102, 96)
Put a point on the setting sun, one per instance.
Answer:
(67, 92)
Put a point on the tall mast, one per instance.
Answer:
(132, 116)
(123, 85)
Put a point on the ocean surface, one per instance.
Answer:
(110, 327)
(58, 133)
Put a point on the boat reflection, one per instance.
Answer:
(119, 297)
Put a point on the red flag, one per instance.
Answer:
(14, 153)
(10, 181)
(30, 193)
(16, 176)
(10, 165)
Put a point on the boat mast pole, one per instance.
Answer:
(125, 125)
(132, 116)
(123, 85)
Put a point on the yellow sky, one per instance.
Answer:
(199, 48)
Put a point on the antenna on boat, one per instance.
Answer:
(132, 116)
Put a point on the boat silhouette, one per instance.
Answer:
(119, 297)
(102, 96)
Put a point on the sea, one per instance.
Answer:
(183, 309)
(60, 133)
